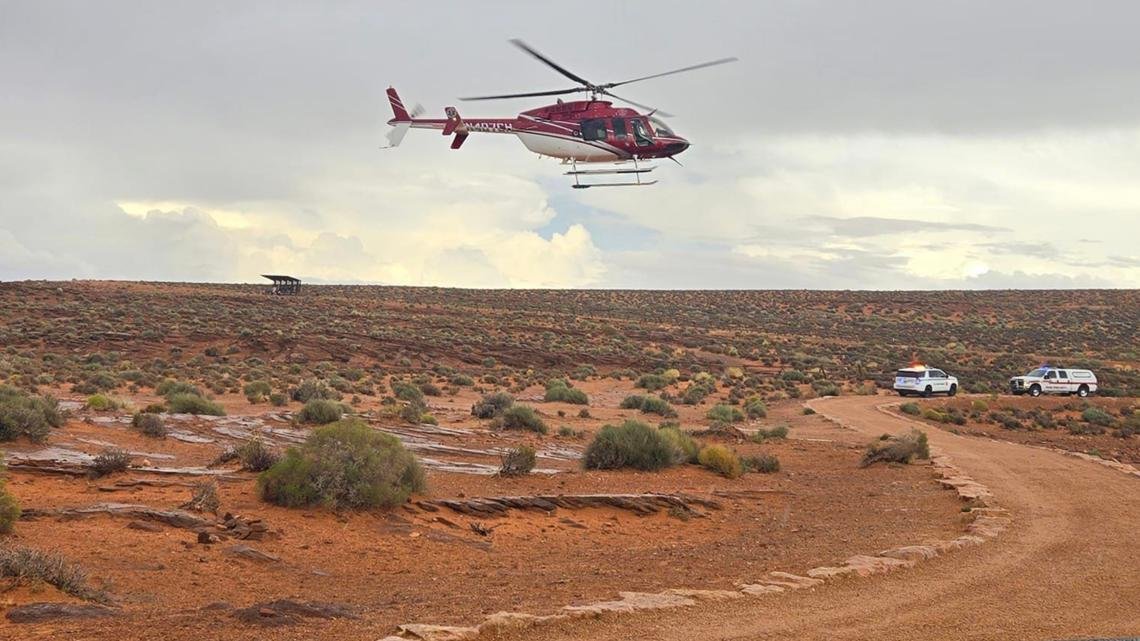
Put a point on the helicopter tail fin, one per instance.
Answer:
(398, 108)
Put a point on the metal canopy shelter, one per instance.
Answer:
(283, 285)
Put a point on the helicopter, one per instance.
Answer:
(575, 131)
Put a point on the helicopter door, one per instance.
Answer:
(621, 134)
(641, 133)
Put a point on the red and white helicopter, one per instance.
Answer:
(580, 131)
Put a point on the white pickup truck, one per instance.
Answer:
(920, 380)
(1054, 380)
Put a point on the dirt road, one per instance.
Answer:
(1067, 567)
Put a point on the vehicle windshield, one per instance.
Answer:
(1037, 372)
(902, 373)
(660, 127)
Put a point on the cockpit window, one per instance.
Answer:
(661, 128)
(641, 132)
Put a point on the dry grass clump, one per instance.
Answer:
(897, 449)
(518, 461)
(110, 461)
(26, 565)
(149, 424)
(204, 498)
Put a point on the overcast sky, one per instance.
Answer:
(856, 145)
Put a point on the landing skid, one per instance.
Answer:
(636, 172)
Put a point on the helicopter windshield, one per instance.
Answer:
(661, 128)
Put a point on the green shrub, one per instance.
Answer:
(110, 461)
(725, 414)
(755, 408)
(184, 403)
(310, 389)
(897, 449)
(492, 405)
(558, 390)
(648, 405)
(170, 386)
(808, 411)
(345, 465)
(256, 391)
(911, 408)
(979, 405)
(696, 392)
(149, 424)
(521, 417)
(1008, 421)
(761, 435)
(652, 382)
(253, 454)
(102, 403)
(825, 388)
(415, 412)
(631, 444)
(1097, 416)
(407, 391)
(9, 508)
(632, 402)
(685, 447)
(932, 414)
(277, 399)
(462, 380)
(22, 414)
(320, 411)
(518, 461)
(721, 460)
(763, 463)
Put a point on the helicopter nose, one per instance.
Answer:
(674, 148)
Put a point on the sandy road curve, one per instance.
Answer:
(1067, 567)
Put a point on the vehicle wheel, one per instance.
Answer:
(1083, 391)
(927, 392)
(953, 390)
(1035, 391)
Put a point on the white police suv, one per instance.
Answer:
(920, 380)
(1054, 380)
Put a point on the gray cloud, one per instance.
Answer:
(985, 132)
(863, 226)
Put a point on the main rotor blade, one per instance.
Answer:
(557, 92)
(654, 110)
(712, 63)
(550, 63)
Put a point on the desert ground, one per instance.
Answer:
(796, 377)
